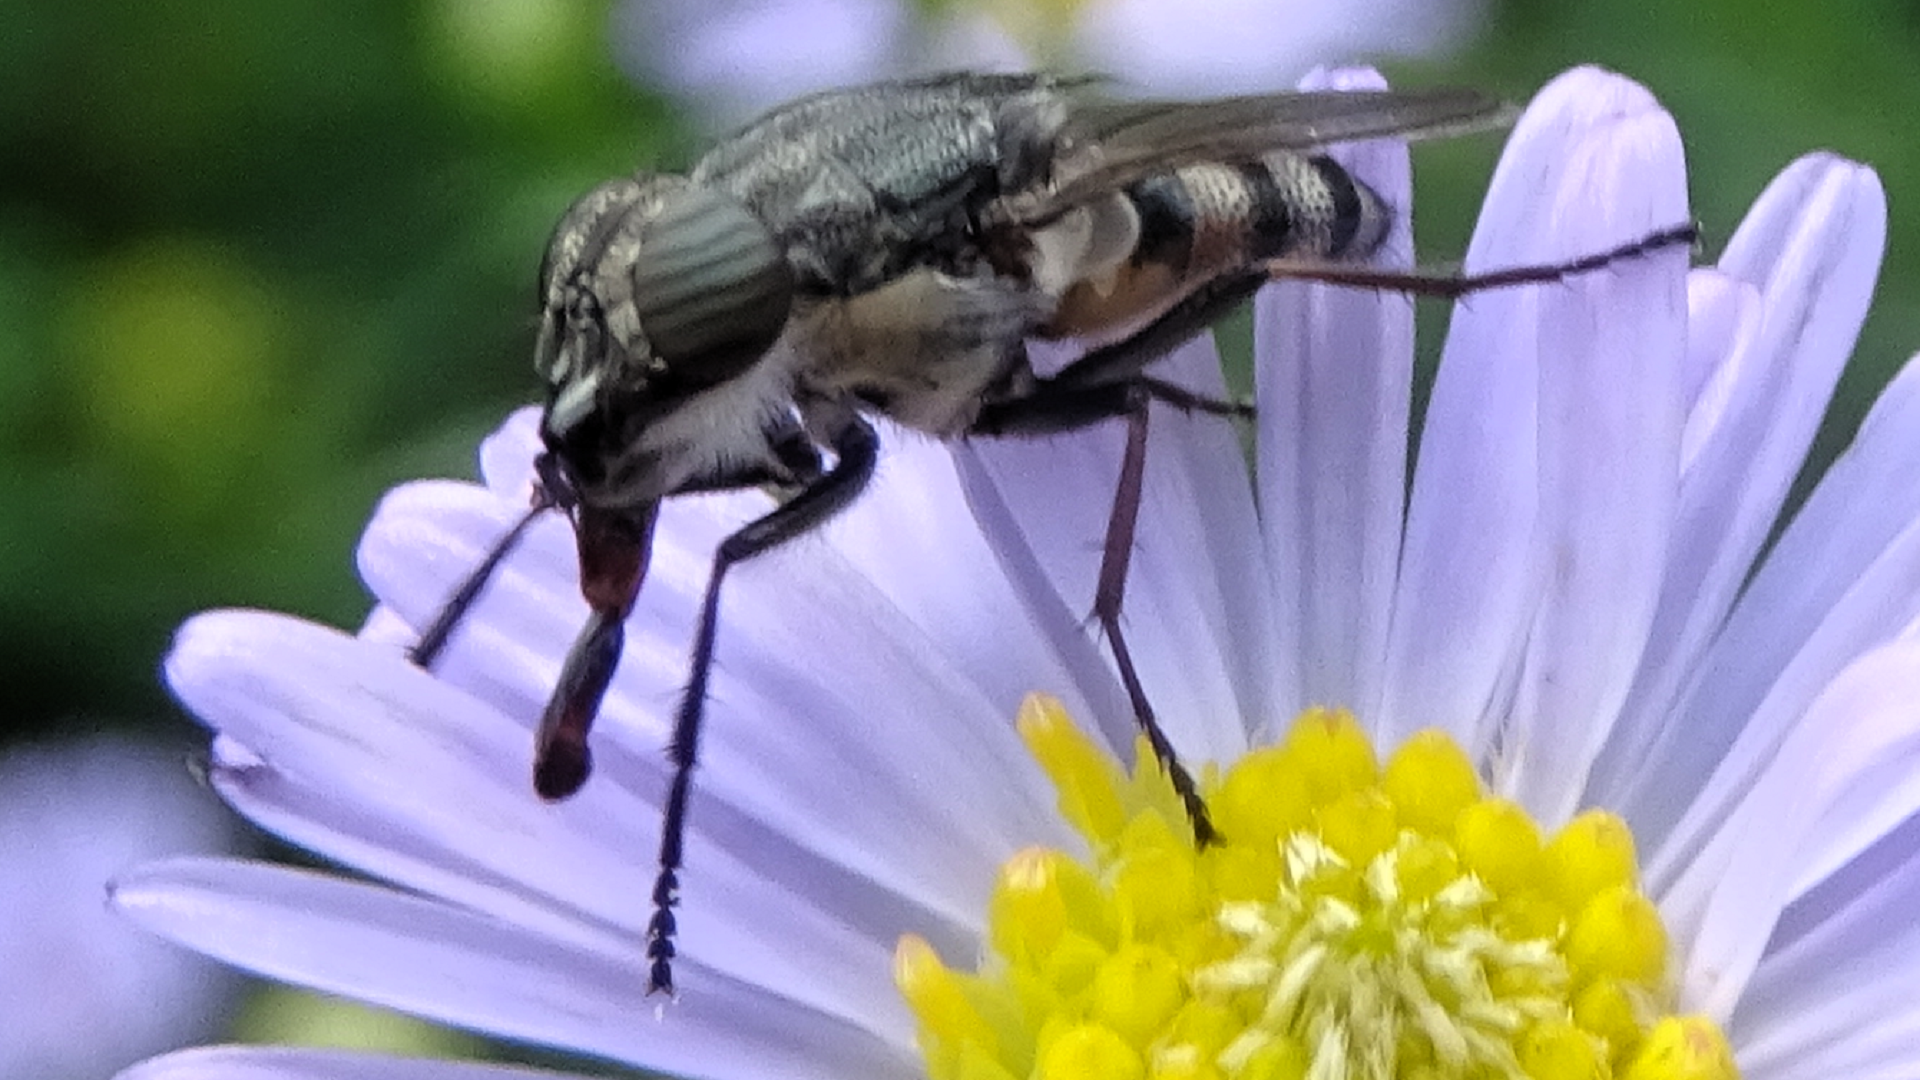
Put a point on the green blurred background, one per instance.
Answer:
(262, 259)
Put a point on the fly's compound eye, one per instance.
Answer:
(710, 286)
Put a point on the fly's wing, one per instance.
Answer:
(1108, 145)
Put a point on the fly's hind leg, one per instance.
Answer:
(1054, 408)
(1109, 596)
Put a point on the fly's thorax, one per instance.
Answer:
(922, 349)
(655, 294)
(1130, 257)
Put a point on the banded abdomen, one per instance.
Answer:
(1126, 259)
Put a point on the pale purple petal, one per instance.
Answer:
(1332, 385)
(83, 992)
(913, 508)
(1057, 494)
(1821, 1002)
(1848, 774)
(298, 1063)
(506, 455)
(1723, 314)
(1230, 574)
(435, 762)
(1473, 565)
(1881, 601)
(788, 682)
(1812, 246)
(470, 970)
(913, 534)
(1611, 408)
(1842, 579)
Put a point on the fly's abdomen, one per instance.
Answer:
(1160, 239)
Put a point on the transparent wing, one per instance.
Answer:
(1108, 145)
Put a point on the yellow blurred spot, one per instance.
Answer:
(507, 55)
(177, 350)
(281, 1015)
(1042, 28)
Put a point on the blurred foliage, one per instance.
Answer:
(282, 1015)
(261, 259)
(258, 261)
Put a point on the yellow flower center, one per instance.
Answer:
(1356, 921)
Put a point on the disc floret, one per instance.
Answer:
(1356, 919)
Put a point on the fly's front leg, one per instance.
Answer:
(856, 448)
(433, 640)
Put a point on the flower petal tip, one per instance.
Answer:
(1593, 91)
(204, 646)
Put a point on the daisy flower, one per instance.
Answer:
(1543, 763)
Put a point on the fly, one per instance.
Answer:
(888, 251)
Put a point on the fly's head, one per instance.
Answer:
(653, 291)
